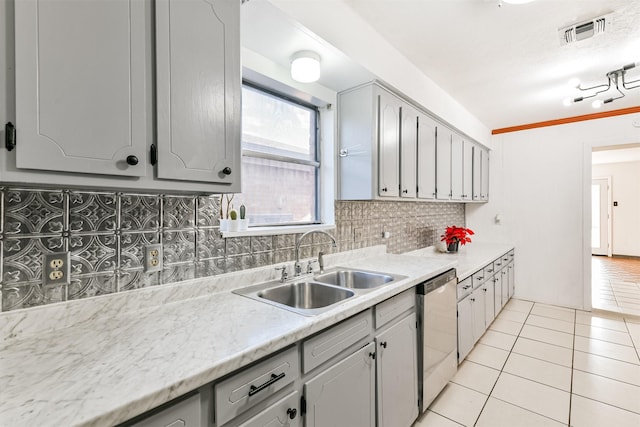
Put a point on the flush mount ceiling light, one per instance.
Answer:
(305, 66)
(616, 80)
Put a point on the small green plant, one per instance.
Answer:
(233, 214)
(243, 212)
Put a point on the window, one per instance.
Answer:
(280, 159)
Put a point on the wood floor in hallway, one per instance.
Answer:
(616, 284)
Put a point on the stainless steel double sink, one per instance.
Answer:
(313, 295)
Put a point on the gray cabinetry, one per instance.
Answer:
(283, 413)
(467, 170)
(426, 157)
(198, 82)
(480, 173)
(389, 107)
(80, 86)
(408, 152)
(457, 170)
(397, 367)
(185, 413)
(443, 163)
(344, 394)
(85, 101)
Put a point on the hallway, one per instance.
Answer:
(616, 284)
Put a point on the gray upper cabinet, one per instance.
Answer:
(86, 107)
(467, 170)
(426, 157)
(443, 162)
(389, 108)
(480, 173)
(198, 79)
(80, 86)
(408, 152)
(456, 167)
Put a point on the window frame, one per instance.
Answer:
(316, 163)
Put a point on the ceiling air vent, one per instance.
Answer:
(584, 30)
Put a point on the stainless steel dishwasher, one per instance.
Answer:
(438, 335)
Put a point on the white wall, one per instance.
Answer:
(625, 189)
(338, 24)
(541, 183)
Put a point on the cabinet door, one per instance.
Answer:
(467, 170)
(80, 86)
(489, 310)
(284, 413)
(408, 152)
(478, 313)
(465, 328)
(476, 184)
(426, 157)
(397, 369)
(505, 285)
(185, 413)
(198, 90)
(343, 395)
(456, 167)
(512, 285)
(443, 163)
(484, 195)
(497, 296)
(388, 144)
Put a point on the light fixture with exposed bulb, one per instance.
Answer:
(616, 79)
(305, 66)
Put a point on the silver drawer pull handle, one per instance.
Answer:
(253, 389)
(466, 287)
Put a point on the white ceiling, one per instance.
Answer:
(621, 154)
(505, 65)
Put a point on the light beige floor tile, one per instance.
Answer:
(612, 392)
(514, 316)
(601, 320)
(591, 413)
(519, 305)
(559, 313)
(607, 367)
(539, 350)
(431, 419)
(459, 404)
(498, 339)
(489, 356)
(476, 377)
(608, 335)
(632, 319)
(607, 349)
(539, 398)
(506, 326)
(547, 335)
(539, 370)
(549, 323)
(497, 413)
(634, 333)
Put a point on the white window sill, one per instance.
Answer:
(284, 229)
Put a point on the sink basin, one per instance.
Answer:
(356, 279)
(305, 295)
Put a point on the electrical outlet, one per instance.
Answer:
(153, 258)
(56, 268)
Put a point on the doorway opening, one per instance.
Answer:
(615, 228)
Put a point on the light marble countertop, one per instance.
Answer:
(104, 360)
(470, 257)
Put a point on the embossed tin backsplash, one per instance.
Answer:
(105, 233)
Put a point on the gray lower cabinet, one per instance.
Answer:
(185, 413)
(497, 287)
(285, 412)
(344, 395)
(397, 382)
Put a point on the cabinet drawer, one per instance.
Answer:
(464, 287)
(323, 347)
(498, 264)
(488, 271)
(478, 278)
(395, 306)
(186, 413)
(284, 412)
(251, 385)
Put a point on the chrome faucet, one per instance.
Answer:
(298, 265)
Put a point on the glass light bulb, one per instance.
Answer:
(596, 104)
(567, 101)
(574, 82)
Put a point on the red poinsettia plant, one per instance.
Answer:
(455, 234)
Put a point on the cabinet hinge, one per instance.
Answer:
(153, 154)
(10, 139)
(303, 405)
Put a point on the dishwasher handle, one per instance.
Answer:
(435, 283)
